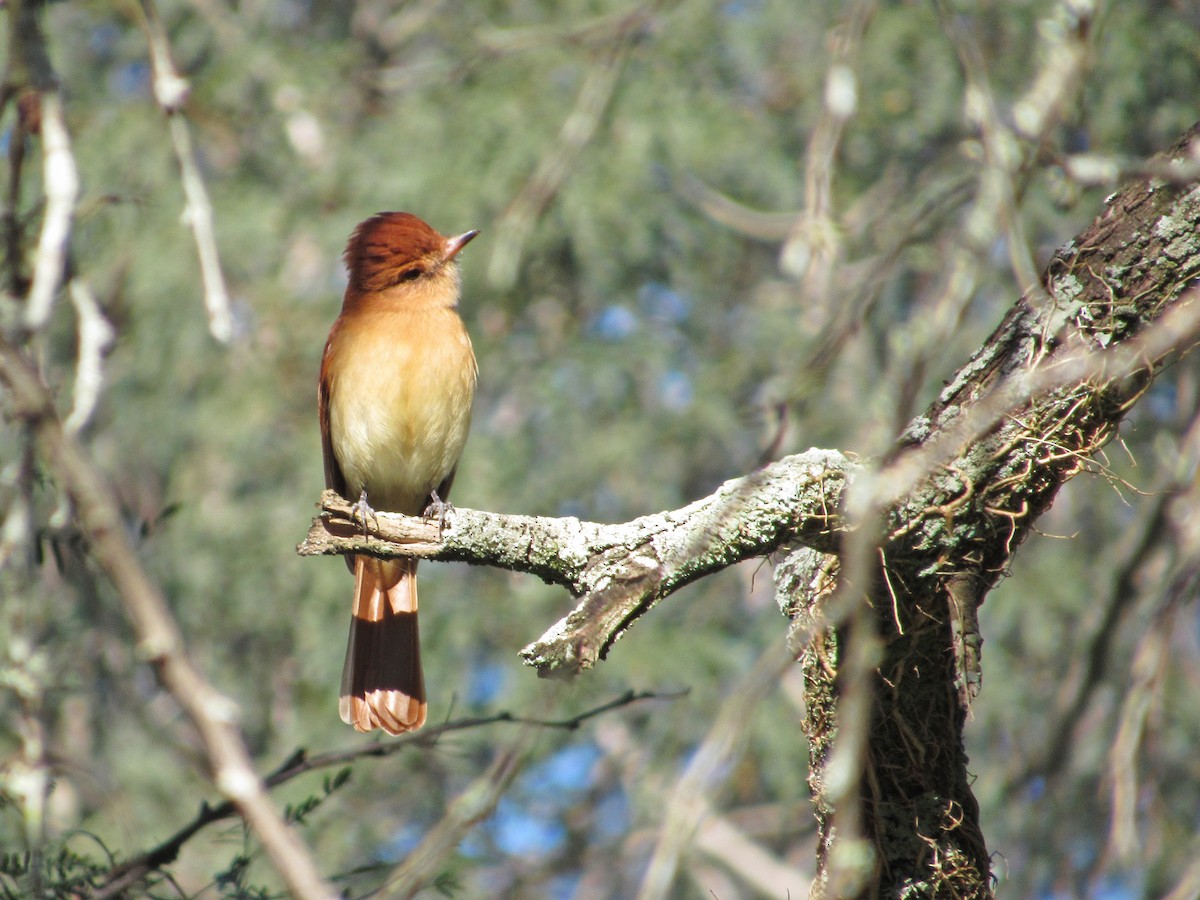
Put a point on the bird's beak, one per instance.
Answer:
(456, 243)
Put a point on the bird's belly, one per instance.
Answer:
(399, 420)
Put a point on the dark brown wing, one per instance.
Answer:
(334, 479)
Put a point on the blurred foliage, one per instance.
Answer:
(642, 356)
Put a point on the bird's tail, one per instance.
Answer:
(382, 683)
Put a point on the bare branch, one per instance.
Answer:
(812, 246)
(517, 221)
(722, 840)
(711, 763)
(962, 592)
(171, 91)
(214, 715)
(1066, 49)
(471, 806)
(598, 31)
(724, 210)
(1147, 678)
(62, 188)
(1090, 169)
(1188, 885)
(96, 336)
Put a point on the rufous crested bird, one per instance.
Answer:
(395, 393)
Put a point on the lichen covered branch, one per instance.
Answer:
(617, 572)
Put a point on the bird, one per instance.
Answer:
(394, 398)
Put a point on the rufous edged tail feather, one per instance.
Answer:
(382, 683)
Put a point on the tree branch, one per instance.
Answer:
(617, 572)
(62, 187)
(30, 78)
(946, 513)
(171, 92)
(516, 223)
(160, 641)
(690, 798)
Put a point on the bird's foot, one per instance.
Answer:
(437, 509)
(362, 512)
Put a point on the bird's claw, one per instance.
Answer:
(363, 512)
(437, 509)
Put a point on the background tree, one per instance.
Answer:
(713, 234)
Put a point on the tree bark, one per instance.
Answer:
(1049, 388)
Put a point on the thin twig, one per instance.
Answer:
(1011, 154)
(1188, 886)
(812, 246)
(709, 766)
(598, 31)
(757, 866)
(171, 91)
(96, 336)
(13, 243)
(62, 188)
(1145, 688)
(1094, 170)
(1086, 676)
(578, 129)
(133, 870)
(473, 804)
(724, 210)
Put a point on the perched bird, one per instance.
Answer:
(394, 398)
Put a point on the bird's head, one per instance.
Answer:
(397, 250)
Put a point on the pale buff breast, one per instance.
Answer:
(399, 410)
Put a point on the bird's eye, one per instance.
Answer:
(412, 274)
